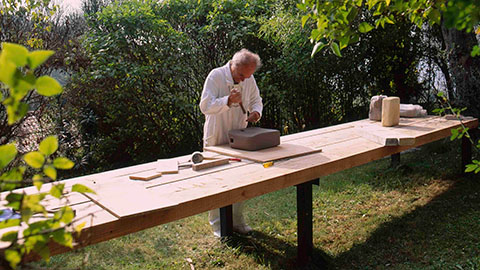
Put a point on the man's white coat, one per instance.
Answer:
(219, 117)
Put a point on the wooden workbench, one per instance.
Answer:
(123, 206)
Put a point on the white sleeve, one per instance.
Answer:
(210, 103)
(255, 99)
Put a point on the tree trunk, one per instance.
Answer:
(464, 69)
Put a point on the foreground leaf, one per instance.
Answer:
(8, 72)
(10, 236)
(42, 250)
(82, 189)
(49, 145)
(57, 190)
(318, 47)
(79, 227)
(9, 223)
(336, 49)
(365, 27)
(67, 215)
(63, 163)
(13, 257)
(63, 238)
(48, 86)
(38, 184)
(475, 50)
(14, 53)
(51, 172)
(7, 154)
(471, 167)
(37, 58)
(35, 159)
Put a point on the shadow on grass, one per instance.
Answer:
(437, 160)
(274, 252)
(443, 234)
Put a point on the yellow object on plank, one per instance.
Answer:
(268, 164)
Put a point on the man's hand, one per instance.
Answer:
(234, 97)
(253, 117)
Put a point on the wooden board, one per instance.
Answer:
(167, 166)
(409, 131)
(315, 132)
(128, 199)
(320, 140)
(384, 136)
(145, 176)
(224, 185)
(285, 150)
(188, 174)
(403, 134)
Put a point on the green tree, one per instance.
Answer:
(341, 23)
(320, 91)
(147, 65)
(135, 94)
(140, 85)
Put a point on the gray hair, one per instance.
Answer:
(246, 57)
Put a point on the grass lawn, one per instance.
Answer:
(420, 215)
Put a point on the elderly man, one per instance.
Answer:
(228, 94)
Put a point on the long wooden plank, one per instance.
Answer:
(384, 136)
(213, 193)
(249, 181)
(285, 150)
(390, 136)
(248, 175)
(315, 132)
(104, 176)
(128, 199)
(123, 197)
(319, 140)
(406, 132)
(224, 187)
(333, 158)
(190, 174)
(338, 128)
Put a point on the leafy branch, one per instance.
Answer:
(17, 74)
(460, 132)
(340, 23)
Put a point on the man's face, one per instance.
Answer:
(240, 73)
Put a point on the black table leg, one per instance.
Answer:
(226, 221)
(304, 222)
(395, 160)
(466, 153)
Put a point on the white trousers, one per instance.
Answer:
(237, 215)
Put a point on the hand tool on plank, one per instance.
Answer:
(210, 164)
